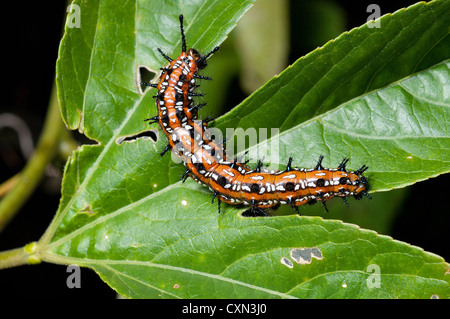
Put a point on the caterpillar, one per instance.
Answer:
(230, 180)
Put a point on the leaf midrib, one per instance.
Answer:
(106, 262)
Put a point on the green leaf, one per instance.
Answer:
(379, 96)
(200, 256)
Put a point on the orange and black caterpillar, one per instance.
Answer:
(231, 181)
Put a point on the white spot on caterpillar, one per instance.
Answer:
(246, 188)
(321, 174)
(207, 160)
(302, 184)
(229, 173)
(289, 176)
(257, 178)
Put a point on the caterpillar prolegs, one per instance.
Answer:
(231, 181)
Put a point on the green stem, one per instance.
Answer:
(20, 256)
(35, 168)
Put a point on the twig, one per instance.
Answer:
(9, 184)
(20, 256)
(35, 168)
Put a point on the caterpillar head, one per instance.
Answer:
(362, 185)
(201, 59)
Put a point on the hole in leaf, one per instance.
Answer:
(305, 255)
(82, 139)
(145, 75)
(285, 261)
(146, 135)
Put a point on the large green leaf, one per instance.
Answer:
(379, 96)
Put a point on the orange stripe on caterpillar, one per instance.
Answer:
(229, 180)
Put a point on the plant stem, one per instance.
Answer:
(6, 186)
(35, 168)
(20, 256)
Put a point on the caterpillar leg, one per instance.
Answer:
(257, 211)
(218, 200)
(293, 206)
(366, 194)
(185, 175)
(165, 150)
(149, 84)
(152, 120)
(345, 201)
(344, 162)
(165, 56)
(324, 205)
(319, 163)
(201, 77)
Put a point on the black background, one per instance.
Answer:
(30, 36)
